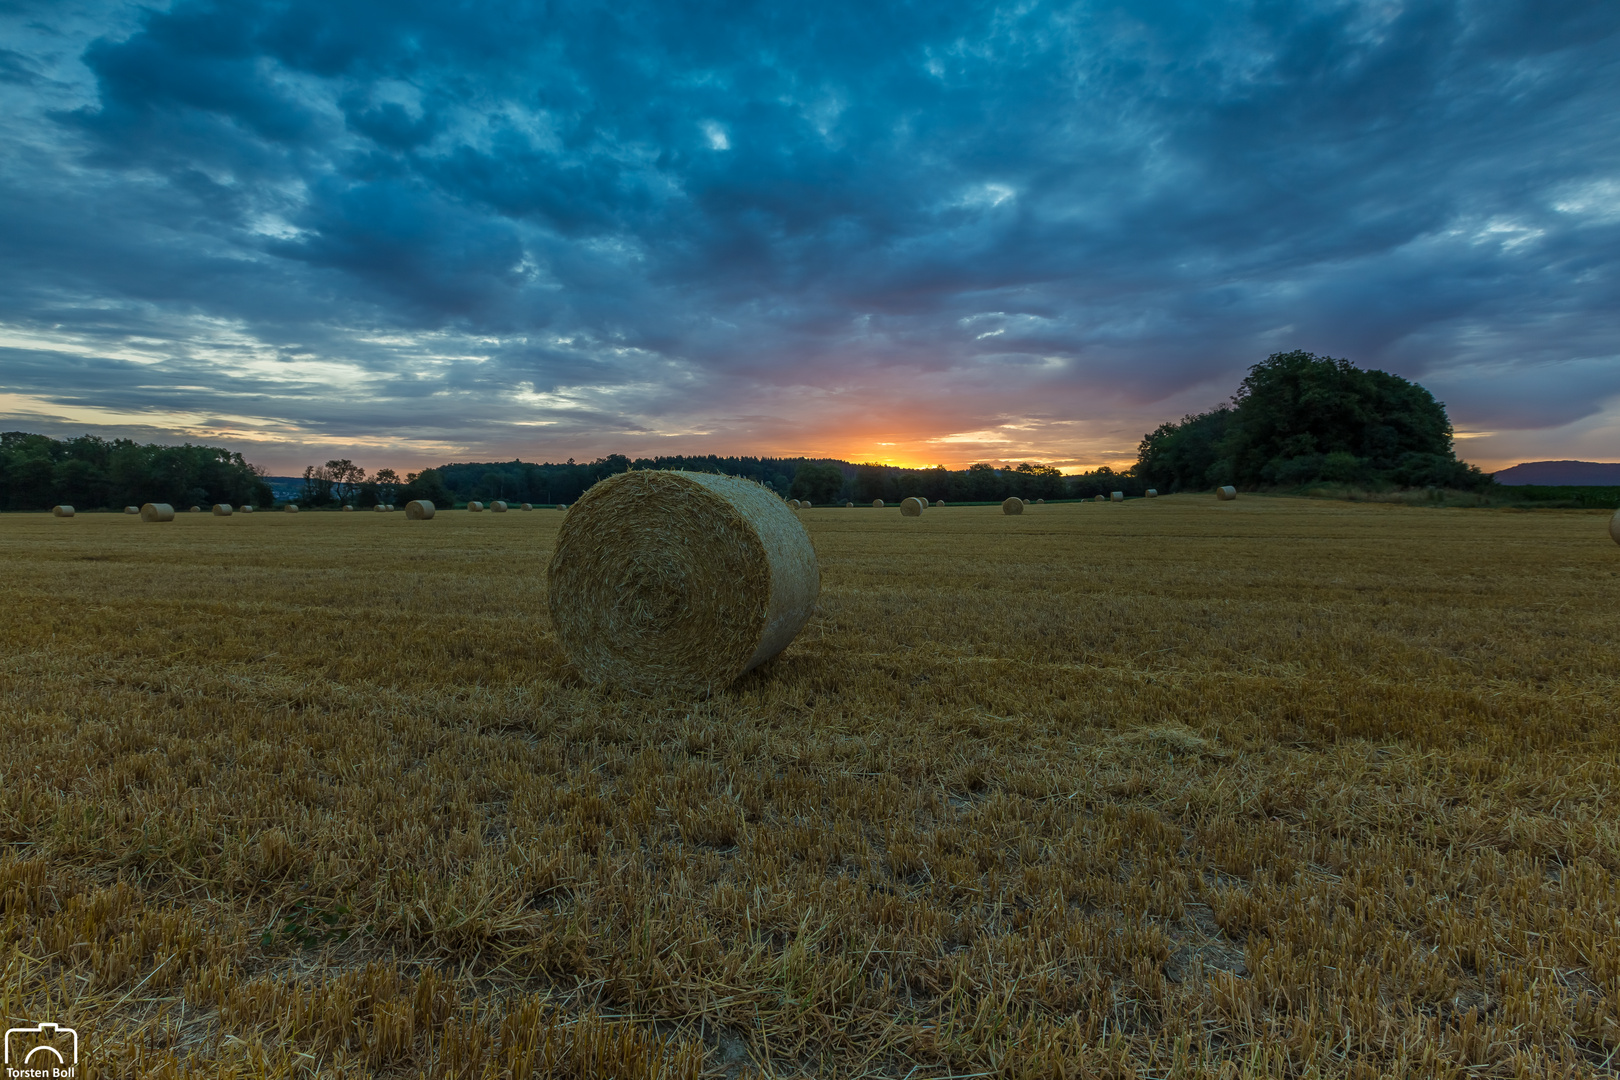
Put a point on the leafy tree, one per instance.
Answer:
(819, 482)
(427, 484)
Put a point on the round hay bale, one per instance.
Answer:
(1098, 498)
(1024, 501)
(247, 509)
(132, 509)
(157, 512)
(290, 508)
(419, 509)
(380, 509)
(939, 502)
(562, 506)
(848, 504)
(878, 503)
(1012, 506)
(1040, 502)
(524, 506)
(805, 504)
(1116, 496)
(222, 509)
(497, 507)
(62, 511)
(475, 507)
(678, 582)
(1614, 525)
(195, 510)
(912, 507)
(348, 509)
(1226, 493)
(793, 504)
(1151, 493)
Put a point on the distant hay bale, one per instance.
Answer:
(526, 506)
(475, 507)
(1151, 493)
(678, 582)
(1614, 525)
(195, 510)
(348, 509)
(878, 503)
(1012, 506)
(793, 504)
(222, 509)
(1116, 496)
(132, 509)
(290, 508)
(848, 503)
(419, 509)
(380, 508)
(1098, 498)
(562, 506)
(1040, 502)
(62, 511)
(497, 507)
(1226, 493)
(912, 507)
(247, 509)
(157, 512)
(939, 502)
(805, 504)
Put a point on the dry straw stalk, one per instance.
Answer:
(157, 512)
(679, 582)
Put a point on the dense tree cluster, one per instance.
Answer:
(37, 472)
(1299, 418)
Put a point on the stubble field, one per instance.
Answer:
(1169, 788)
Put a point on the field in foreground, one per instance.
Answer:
(1170, 788)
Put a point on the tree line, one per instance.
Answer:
(38, 472)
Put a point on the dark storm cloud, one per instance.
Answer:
(632, 218)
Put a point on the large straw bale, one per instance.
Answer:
(1226, 493)
(157, 512)
(878, 503)
(1151, 493)
(526, 506)
(497, 507)
(793, 504)
(1614, 525)
(419, 509)
(1012, 506)
(62, 511)
(290, 508)
(222, 509)
(132, 509)
(912, 507)
(1116, 496)
(679, 582)
(475, 507)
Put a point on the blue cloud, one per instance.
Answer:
(658, 216)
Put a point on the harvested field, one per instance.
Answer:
(1181, 787)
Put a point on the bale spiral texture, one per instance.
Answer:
(62, 511)
(497, 507)
(1012, 506)
(912, 507)
(1226, 493)
(679, 582)
(222, 509)
(157, 512)
(419, 509)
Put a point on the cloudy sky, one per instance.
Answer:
(934, 232)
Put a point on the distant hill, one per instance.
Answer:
(1562, 473)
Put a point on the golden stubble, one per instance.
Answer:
(1169, 788)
